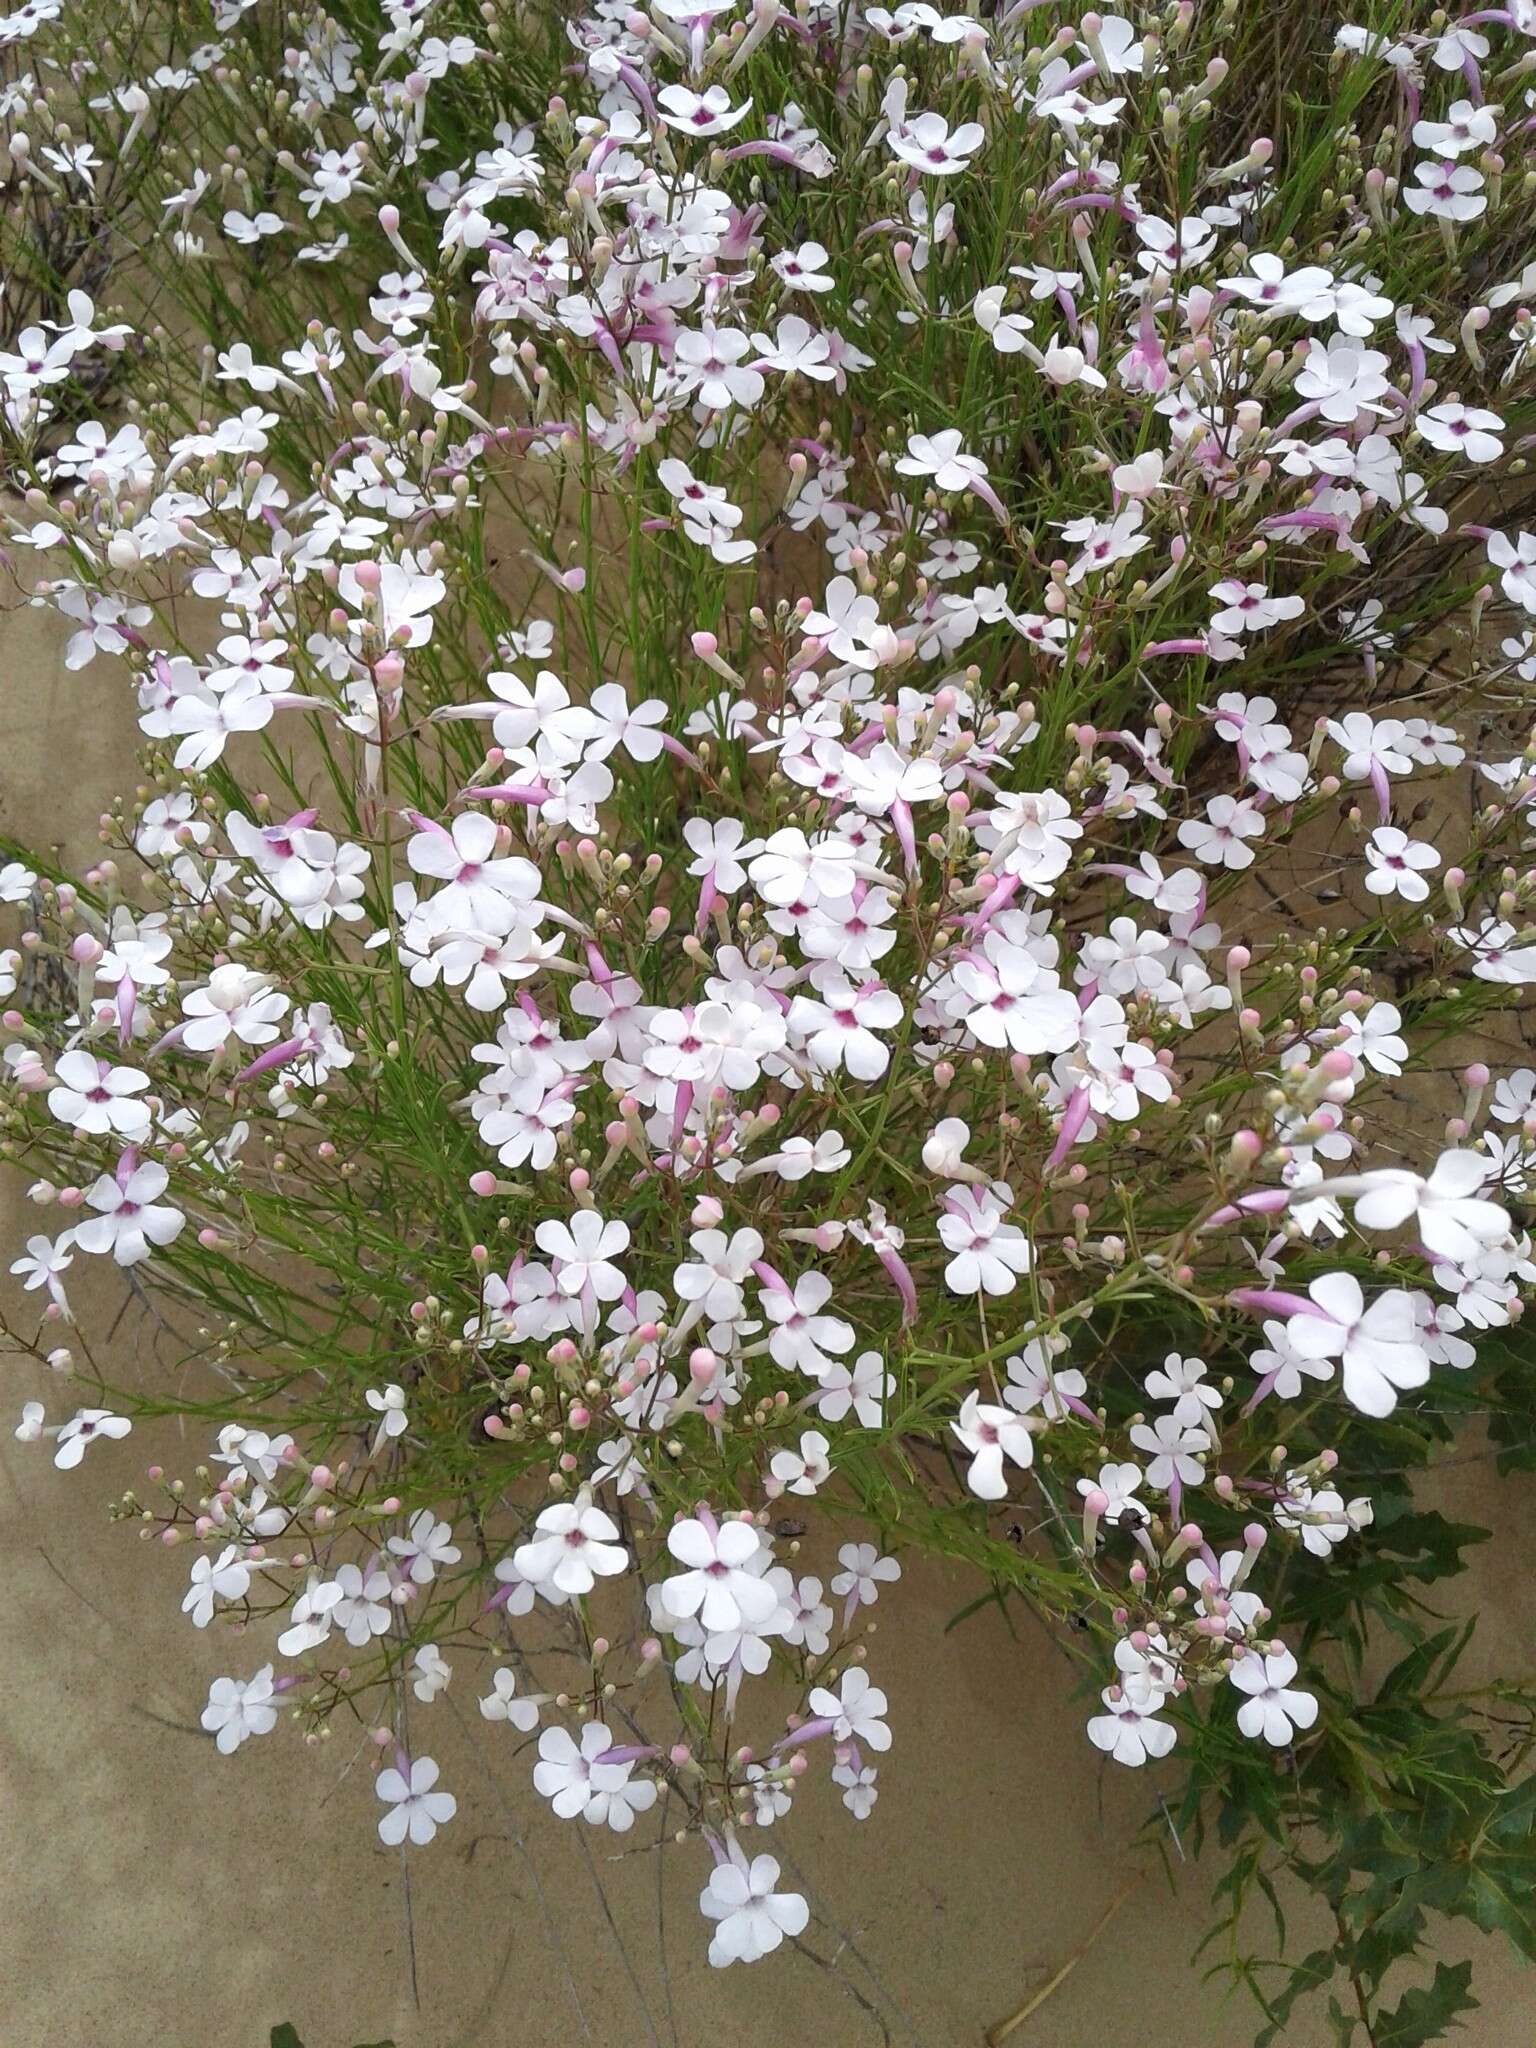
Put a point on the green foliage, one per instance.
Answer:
(286, 2036)
(1399, 1814)
(1404, 1813)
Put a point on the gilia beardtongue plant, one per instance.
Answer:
(829, 695)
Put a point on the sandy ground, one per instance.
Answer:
(154, 1895)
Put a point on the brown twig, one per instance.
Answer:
(996, 2035)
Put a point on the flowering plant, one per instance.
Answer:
(809, 766)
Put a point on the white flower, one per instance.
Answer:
(1220, 838)
(313, 1613)
(1371, 746)
(941, 456)
(389, 1406)
(568, 1773)
(1343, 380)
(415, 1810)
(991, 1434)
(804, 1470)
(1466, 430)
(1035, 1383)
(1176, 1451)
(719, 846)
(927, 143)
(583, 1252)
(1284, 1365)
(856, 1710)
(710, 359)
(576, 1545)
(715, 1277)
(700, 113)
(805, 269)
(1447, 191)
(864, 1572)
(16, 882)
(432, 1673)
(362, 1609)
(1372, 1036)
(1008, 999)
(1517, 560)
(1029, 834)
(227, 1577)
(859, 1790)
(1183, 1382)
(1130, 1731)
(989, 1254)
(719, 1586)
(789, 866)
(1273, 1708)
(236, 1710)
(1118, 1484)
(1498, 955)
(238, 1003)
(752, 1917)
(96, 1098)
(501, 1703)
(1451, 1215)
(861, 1388)
(802, 1334)
(839, 1031)
(426, 1544)
(1465, 127)
(42, 1263)
(84, 1428)
(772, 1795)
(1007, 331)
(1378, 1347)
(1248, 608)
(1318, 1515)
(1397, 864)
(806, 1618)
(130, 1220)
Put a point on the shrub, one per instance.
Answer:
(806, 678)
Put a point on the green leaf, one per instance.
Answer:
(1428, 2012)
(1516, 1813)
(996, 1595)
(286, 2036)
(1307, 1976)
(1502, 1900)
(1410, 1673)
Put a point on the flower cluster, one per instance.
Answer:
(871, 973)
